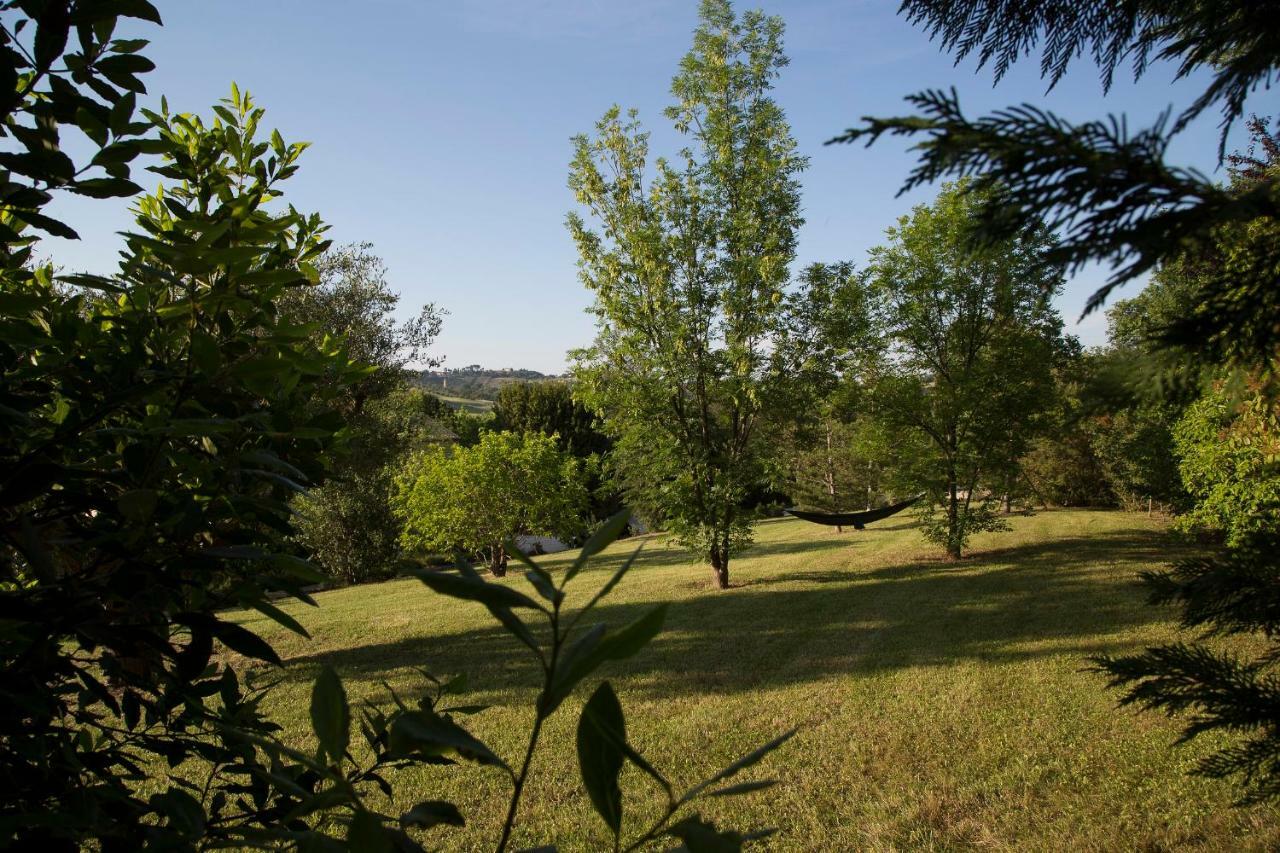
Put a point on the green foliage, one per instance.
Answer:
(477, 498)
(353, 298)
(347, 524)
(43, 85)
(1113, 199)
(146, 487)
(1227, 451)
(549, 408)
(1062, 466)
(1135, 449)
(1108, 193)
(969, 348)
(688, 270)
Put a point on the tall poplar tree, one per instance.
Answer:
(689, 266)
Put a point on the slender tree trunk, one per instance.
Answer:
(498, 560)
(953, 518)
(831, 477)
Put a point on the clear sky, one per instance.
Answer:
(440, 133)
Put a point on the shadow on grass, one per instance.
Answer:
(1004, 604)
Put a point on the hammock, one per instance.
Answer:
(857, 520)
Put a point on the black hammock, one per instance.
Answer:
(857, 520)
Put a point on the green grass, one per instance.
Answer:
(469, 405)
(941, 705)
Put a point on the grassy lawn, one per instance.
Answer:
(941, 705)
(468, 404)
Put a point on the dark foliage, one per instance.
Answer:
(1109, 192)
(549, 408)
(1235, 592)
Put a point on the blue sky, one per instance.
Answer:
(440, 132)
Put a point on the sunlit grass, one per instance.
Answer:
(941, 705)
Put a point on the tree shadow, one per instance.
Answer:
(1003, 604)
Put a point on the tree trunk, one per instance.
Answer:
(498, 561)
(831, 478)
(953, 519)
(720, 564)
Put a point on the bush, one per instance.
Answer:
(1227, 449)
(478, 498)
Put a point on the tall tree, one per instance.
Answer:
(969, 340)
(347, 524)
(352, 297)
(689, 269)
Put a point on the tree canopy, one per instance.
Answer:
(479, 498)
(688, 269)
(969, 349)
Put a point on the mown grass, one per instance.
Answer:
(470, 405)
(941, 705)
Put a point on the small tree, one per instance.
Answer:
(969, 343)
(478, 498)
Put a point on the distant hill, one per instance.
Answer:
(475, 382)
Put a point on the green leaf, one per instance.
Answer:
(602, 731)
(277, 615)
(598, 541)
(244, 641)
(204, 352)
(741, 764)
(330, 715)
(366, 834)
(541, 581)
(185, 813)
(52, 28)
(592, 649)
(298, 568)
(430, 734)
(128, 45)
(105, 187)
(613, 581)
(743, 788)
(430, 813)
(47, 224)
(491, 594)
(138, 504)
